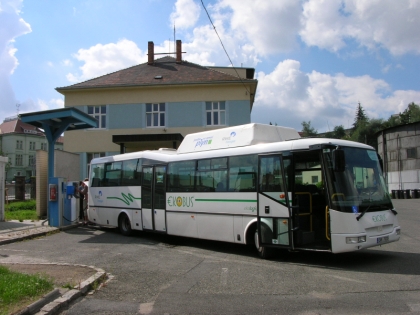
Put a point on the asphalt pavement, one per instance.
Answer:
(53, 302)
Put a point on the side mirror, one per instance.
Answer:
(339, 160)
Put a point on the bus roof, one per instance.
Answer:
(237, 136)
(239, 140)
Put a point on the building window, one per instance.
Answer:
(215, 113)
(31, 160)
(99, 113)
(44, 146)
(18, 160)
(155, 115)
(32, 146)
(411, 153)
(314, 179)
(19, 144)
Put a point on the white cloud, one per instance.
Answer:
(67, 63)
(289, 96)
(103, 59)
(11, 27)
(185, 15)
(388, 24)
(269, 26)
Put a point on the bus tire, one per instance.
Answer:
(124, 225)
(263, 251)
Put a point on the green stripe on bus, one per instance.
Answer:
(127, 199)
(226, 200)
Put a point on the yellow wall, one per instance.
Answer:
(181, 93)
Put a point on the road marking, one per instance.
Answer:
(414, 307)
(146, 308)
(223, 276)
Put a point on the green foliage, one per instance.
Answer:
(410, 114)
(21, 205)
(360, 118)
(17, 288)
(365, 129)
(308, 130)
(366, 132)
(21, 215)
(338, 133)
(21, 210)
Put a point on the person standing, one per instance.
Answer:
(83, 190)
(81, 198)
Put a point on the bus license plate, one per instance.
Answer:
(382, 239)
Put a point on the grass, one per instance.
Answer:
(21, 210)
(17, 290)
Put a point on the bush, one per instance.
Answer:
(21, 205)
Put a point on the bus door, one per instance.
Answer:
(153, 198)
(274, 211)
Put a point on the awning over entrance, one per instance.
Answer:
(138, 142)
(55, 122)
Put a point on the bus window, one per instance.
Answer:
(131, 173)
(242, 173)
(112, 174)
(181, 176)
(97, 174)
(212, 175)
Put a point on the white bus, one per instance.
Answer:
(251, 184)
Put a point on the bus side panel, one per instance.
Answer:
(93, 215)
(182, 224)
(136, 223)
(215, 227)
(228, 202)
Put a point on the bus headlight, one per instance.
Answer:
(356, 239)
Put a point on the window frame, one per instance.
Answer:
(99, 112)
(216, 111)
(155, 111)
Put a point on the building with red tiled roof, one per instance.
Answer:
(19, 142)
(155, 104)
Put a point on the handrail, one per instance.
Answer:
(326, 223)
(310, 206)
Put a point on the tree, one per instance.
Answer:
(338, 133)
(366, 132)
(308, 130)
(360, 118)
(410, 114)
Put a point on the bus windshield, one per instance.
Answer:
(360, 187)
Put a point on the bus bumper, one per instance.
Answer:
(342, 243)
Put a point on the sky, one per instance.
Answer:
(314, 60)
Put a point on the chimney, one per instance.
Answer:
(178, 51)
(150, 53)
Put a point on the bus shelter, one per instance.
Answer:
(54, 123)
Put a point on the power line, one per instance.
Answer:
(214, 27)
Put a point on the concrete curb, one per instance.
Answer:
(70, 296)
(56, 300)
(26, 234)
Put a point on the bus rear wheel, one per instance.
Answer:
(124, 225)
(263, 251)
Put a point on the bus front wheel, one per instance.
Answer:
(263, 251)
(124, 225)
